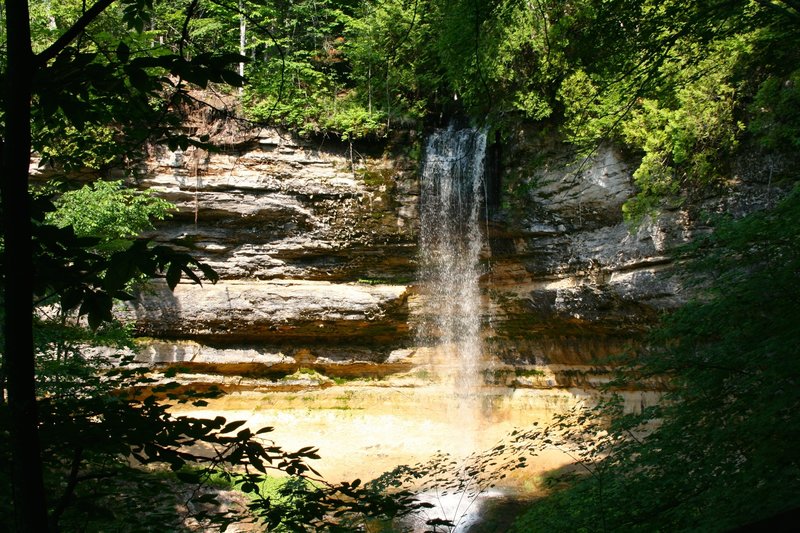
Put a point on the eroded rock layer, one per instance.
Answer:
(569, 282)
(316, 246)
(314, 243)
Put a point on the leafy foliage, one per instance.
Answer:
(113, 424)
(682, 84)
(115, 452)
(394, 70)
(105, 425)
(719, 451)
(776, 122)
(300, 85)
(689, 143)
(673, 81)
(105, 428)
(99, 97)
(79, 278)
(108, 211)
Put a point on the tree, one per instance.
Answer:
(81, 87)
(18, 359)
(109, 211)
(676, 84)
(719, 450)
(87, 95)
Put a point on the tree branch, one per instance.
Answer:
(790, 8)
(185, 29)
(69, 491)
(72, 32)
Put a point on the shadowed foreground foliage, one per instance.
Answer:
(721, 450)
(114, 457)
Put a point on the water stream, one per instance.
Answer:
(366, 428)
(451, 240)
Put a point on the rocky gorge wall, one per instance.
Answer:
(315, 243)
(570, 282)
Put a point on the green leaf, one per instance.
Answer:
(138, 78)
(120, 271)
(232, 78)
(173, 275)
(191, 275)
(123, 52)
(71, 298)
(209, 272)
(232, 426)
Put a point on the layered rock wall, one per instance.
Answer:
(570, 282)
(315, 243)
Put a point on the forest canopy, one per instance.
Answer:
(682, 85)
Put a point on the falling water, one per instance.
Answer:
(451, 240)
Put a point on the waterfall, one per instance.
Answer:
(452, 207)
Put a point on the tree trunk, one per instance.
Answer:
(242, 41)
(30, 508)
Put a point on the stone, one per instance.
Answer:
(569, 282)
(270, 311)
(316, 245)
(277, 208)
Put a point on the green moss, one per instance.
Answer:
(307, 374)
(422, 374)
(386, 281)
(376, 178)
(497, 375)
(529, 372)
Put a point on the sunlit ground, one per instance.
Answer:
(363, 429)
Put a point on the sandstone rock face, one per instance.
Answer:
(273, 207)
(316, 245)
(569, 282)
(273, 312)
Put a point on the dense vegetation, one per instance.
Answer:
(685, 87)
(719, 451)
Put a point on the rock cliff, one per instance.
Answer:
(569, 281)
(315, 243)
